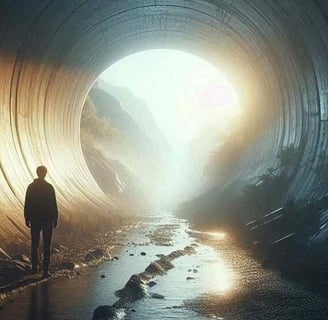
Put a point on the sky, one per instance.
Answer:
(185, 93)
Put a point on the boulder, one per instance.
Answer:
(157, 296)
(165, 264)
(175, 254)
(104, 313)
(155, 269)
(133, 290)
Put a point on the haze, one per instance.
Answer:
(183, 92)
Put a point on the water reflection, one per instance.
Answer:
(39, 303)
(221, 277)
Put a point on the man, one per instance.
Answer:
(41, 213)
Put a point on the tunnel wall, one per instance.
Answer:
(52, 51)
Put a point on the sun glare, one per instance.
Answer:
(185, 93)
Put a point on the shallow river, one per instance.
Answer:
(226, 284)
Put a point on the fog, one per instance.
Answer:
(190, 101)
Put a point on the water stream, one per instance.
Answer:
(220, 270)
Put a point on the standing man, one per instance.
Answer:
(41, 213)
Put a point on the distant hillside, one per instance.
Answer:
(112, 176)
(139, 111)
(115, 179)
(127, 159)
(107, 107)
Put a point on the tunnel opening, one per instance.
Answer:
(274, 52)
(160, 115)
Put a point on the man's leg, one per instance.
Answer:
(47, 234)
(35, 238)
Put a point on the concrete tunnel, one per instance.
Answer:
(51, 52)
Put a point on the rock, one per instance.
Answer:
(13, 272)
(78, 273)
(67, 265)
(165, 264)
(133, 290)
(143, 253)
(190, 278)
(4, 254)
(23, 258)
(116, 258)
(102, 276)
(155, 269)
(131, 254)
(21, 265)
(195, 270)
(157, 296)
(89, 257)
(133, 310)
(189, 250)
(175, 254)
(98, 253)
(151, 283)
(104, 313)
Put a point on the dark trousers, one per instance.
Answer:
(36, 227)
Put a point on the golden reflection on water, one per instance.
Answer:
(217, 235)
(220, 276)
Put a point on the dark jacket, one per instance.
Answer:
(40, 202)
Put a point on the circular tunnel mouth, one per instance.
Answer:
(171, 101)
(272, 51)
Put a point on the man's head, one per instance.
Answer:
(41, 171)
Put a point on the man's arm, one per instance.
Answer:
(54, 206)
(27, 206)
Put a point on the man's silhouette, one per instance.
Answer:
(41, 213)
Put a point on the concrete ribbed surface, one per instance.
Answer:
(52, 51)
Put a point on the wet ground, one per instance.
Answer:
(221, 281)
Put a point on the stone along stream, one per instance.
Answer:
(220, 281)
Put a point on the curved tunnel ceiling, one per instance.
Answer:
(52, 51)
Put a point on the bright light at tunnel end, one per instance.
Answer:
(184, 92)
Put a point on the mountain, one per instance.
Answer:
(109, 108)
(139, 111)
(115, 179)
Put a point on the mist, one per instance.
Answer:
(182, 107)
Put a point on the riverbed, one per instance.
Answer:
(220, 281)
